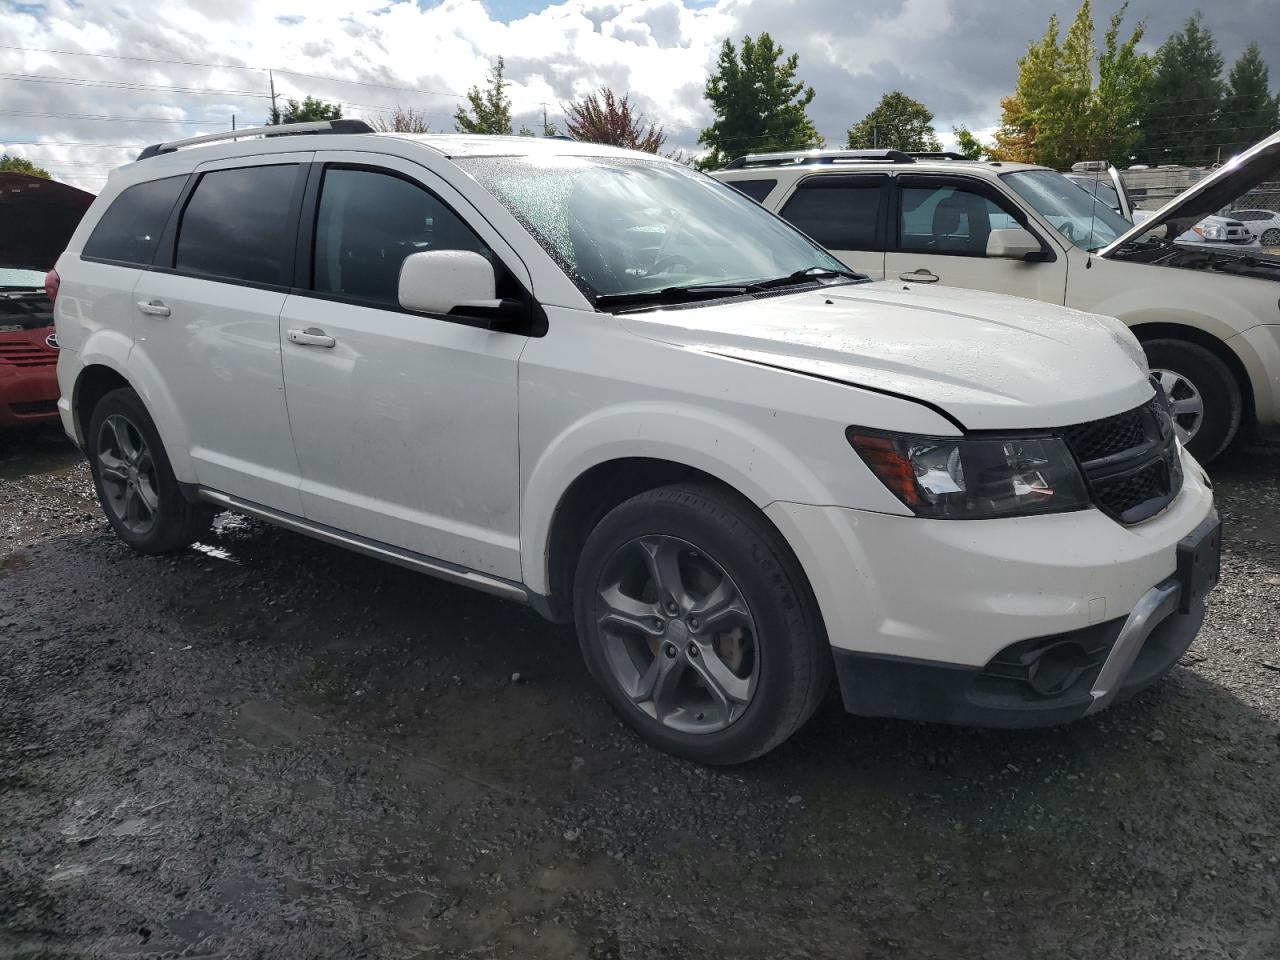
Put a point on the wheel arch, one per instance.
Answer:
(598, 490)
(1160, 330)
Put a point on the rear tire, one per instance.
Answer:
(1271, 237)
(135, 483)
(723, 689)
(1206, 381)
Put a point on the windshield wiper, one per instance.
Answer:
(681, 294)
(807, 274)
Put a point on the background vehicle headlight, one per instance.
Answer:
(953, 479)
(1211, 231)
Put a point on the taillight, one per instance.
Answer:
(51, 284)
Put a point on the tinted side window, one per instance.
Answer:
(130, 229)
(949, 219)
(237, 225)
(757, 190)
(368, 222)
(841, 214)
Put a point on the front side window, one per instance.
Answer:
(949, 219)
(130, 229)
(622, 227)
(841, 213)
(1083, 219)
(368, 222)
(237, 226)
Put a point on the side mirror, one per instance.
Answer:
(1014, 244)
(440, 281)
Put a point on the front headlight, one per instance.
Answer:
(951, 479)
(1211, 231)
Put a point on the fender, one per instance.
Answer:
(727, 448)
(115, 350)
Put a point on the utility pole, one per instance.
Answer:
(233, 122)
(271, 78)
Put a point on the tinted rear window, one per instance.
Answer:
(841, 214)
(130, 229)
(237, 225)
(757, 190)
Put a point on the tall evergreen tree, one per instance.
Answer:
(490, 108)
(1181, 122)
(1249, 110)
(309, 110)
(758, 103)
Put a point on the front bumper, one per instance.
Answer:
(28, 392)
(916, 609)
(1118, 659)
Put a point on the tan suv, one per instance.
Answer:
(1210, 325)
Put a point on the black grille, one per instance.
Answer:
(1110, 435)
(1122, 494)
(28, 408)
(1130, 460)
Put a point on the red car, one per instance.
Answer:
(38, 218)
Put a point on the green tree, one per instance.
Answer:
(490, 107)
(1056, 114)
(897, 123)
(310, 110)
(969, 144)
(1180, 124)
(12, 164)
(1249, 110)
(758, 103)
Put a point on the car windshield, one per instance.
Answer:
(22, 279)
(1083, 219)
(623, 228)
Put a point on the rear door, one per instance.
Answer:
(207, 321)
(941, 232)
(405, 423)
(847, 214)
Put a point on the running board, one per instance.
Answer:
(440, 569)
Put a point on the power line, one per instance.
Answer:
(95, 116)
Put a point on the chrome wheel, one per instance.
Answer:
(1185, 403)
(128, 474)
(677, 634)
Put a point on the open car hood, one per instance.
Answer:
(37, 219)
(1234, 178)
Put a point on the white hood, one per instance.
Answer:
(992, 362)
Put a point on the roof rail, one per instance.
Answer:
(814, 157)
(938, 155)
(279, 130)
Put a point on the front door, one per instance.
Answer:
(942, 228)
(405, 424)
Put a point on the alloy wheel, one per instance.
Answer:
(677, 634)
(1185, 403)
(1271, 238)
(127, 470)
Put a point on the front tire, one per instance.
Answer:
(135, 483)
(698, 623)
(1271, 237)
(1204, 396)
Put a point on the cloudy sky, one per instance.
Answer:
(113, 83)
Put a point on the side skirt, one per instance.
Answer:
(441, 569)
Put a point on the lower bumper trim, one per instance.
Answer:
(1143, 648)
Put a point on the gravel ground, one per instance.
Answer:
(267, 747)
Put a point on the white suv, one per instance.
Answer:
(1205, 311)
(599, 383)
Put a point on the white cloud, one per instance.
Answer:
(958, 56)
